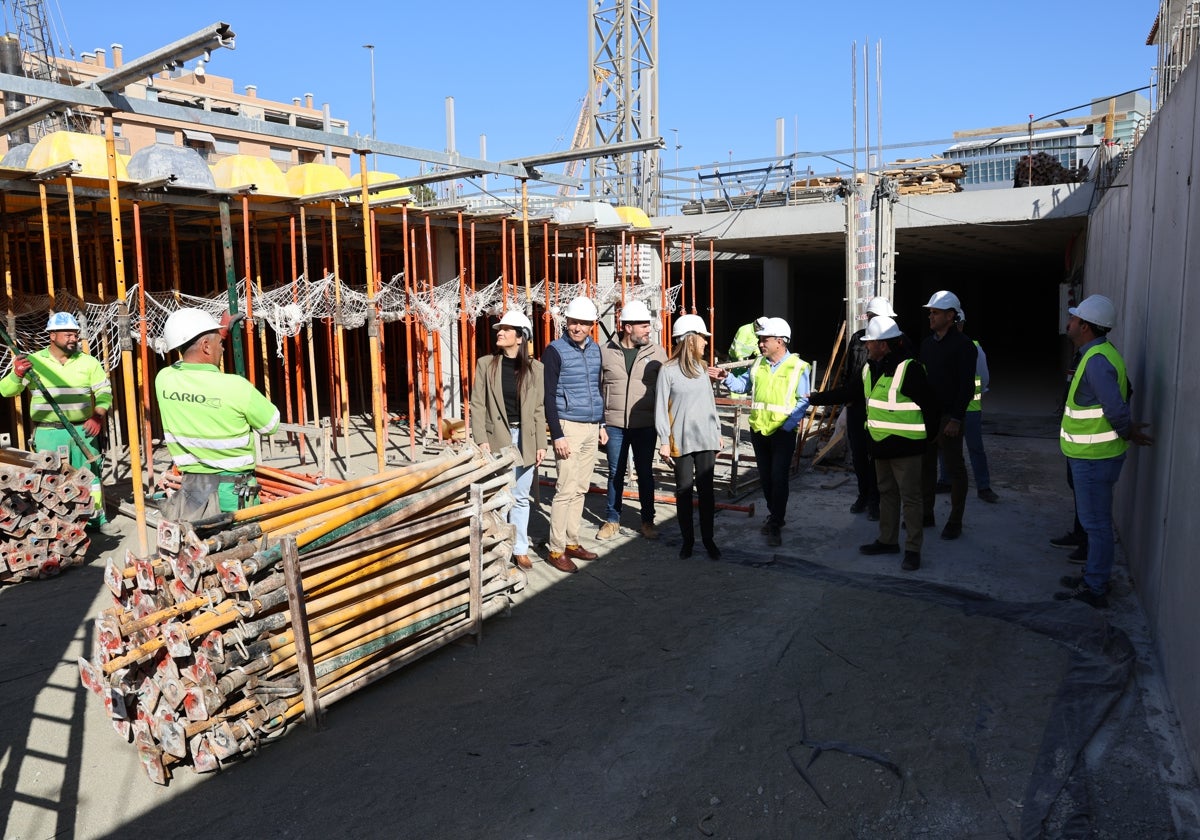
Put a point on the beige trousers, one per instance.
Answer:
(574, 476)
(899, 481)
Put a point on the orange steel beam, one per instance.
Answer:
(408, 338)
(437, 334)
(249, 321)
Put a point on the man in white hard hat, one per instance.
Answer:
(209, 420)
(575, 415)
(949, 359)
(630, 366)
(973, 428)
(856, 418)
(1097, 428)
(79, 385)
(779, 382)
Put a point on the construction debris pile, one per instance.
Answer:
(244, 622)
(45, 505)
(1043, 169)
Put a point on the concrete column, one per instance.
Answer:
(777, 291)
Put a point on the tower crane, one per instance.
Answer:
(583, 128)
(33, 55)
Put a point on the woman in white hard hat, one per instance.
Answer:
(507, 410)
(689, 431)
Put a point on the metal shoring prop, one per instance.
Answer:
(246, 273)
(75, 260)
(135, 455)
(545, 283)
(504, 263)
(295, 360)
(692, 248)
(284, 342)
(472, 343)
(239, 354)
(46, 248)
(712, 317)
(377, 273)
(463, 392)
(343, 396)
(408, 335)
(143, 372)
(312, 353)
(376, 365)
(664, 258)
(423, 347)
(18, 409)
(250, 287)
(440, 403)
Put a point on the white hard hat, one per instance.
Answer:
(881, 306)
(185, 324)
(962, 316)
(635, 312)
(944, 300)
(1096, 309)
(688, 324)
(581, 309)
(62, 321)
(515, 318)
(880, 328)
(774, 326)
(760, 322)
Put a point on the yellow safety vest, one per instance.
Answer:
(1086, 432)
(890, 412)
(774, 392)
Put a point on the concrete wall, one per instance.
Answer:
(1143, 244)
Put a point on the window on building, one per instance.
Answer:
(225, 147)
(279, 154)
(165, 136)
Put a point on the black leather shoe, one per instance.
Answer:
(989, 495)
(685, 551)
(952, 531)
(1070, 581)
(1079, 555)
(879, 548)
(714, 553)
(911, 561)
(1069, 540)
(1084, 593)
(774, 537)
(860, 504)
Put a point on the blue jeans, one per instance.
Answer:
(1094, 480)
(620, 441)
(518, 514)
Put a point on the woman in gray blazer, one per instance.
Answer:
(507, 409)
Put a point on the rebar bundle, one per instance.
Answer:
(45, 505)
(239, 624)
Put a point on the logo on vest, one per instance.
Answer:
(194, 399)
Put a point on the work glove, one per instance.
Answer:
(93, 425)
(21, 366)
(227, 322)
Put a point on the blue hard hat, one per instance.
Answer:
(61, 321)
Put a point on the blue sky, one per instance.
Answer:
(518, 70)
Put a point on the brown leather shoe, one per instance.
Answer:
(523, 561)
(561, 562)
(649, 531)
(580, 553)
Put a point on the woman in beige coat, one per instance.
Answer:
(507, 409)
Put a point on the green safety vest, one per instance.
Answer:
(890, 412)
(80, 386)
(774, 392)
(209, 418)
(1086, 432)
(745, 343)
(976, 403)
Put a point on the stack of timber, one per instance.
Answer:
(45, 505)
(927, 178)
(1043, 169)
(242, 623)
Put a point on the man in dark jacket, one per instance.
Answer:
(949, 360)
(894, 397)
(629, 373)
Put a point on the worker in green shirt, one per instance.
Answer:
(209, 420)
(78, 384)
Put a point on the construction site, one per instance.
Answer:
(781, 692)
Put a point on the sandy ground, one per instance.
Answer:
(802, 692)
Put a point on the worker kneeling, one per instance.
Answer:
(209, 419)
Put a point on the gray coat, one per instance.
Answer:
(686, 412)
(489, 420)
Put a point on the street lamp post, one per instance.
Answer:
(371, 48)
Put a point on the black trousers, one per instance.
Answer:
(694, 473)
(773, 453)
